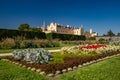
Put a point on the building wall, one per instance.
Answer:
(56, 28)
(52, 28)
(64, 29)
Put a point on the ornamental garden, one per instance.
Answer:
(67, 59)
(74, 52)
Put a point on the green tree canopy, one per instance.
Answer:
(23, 27)
(118, 34)
(110, 33)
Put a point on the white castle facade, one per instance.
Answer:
(61, 29)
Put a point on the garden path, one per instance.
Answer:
(8, 54)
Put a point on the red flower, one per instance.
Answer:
(95, 46)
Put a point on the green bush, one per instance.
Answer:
(22, 45)
(8, 43)
(56, 43)
(7, 33)
(51, 36)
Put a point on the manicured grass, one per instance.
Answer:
(104, 70)
(6, 50)
(10, 71)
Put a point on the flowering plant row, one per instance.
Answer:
(94, 46)
(97, 48)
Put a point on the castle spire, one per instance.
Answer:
(43, 23)
(43, 27)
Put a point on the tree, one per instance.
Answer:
(23, 27)
(118, 34)
(110, 33)
(104, 34)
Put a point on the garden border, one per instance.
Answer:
(63, 70)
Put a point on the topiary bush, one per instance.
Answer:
(33, 55)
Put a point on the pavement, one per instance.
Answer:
(54, 50)
(9, 54)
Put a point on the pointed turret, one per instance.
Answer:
(43, 27)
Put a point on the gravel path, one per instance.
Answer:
(5, 54)
(8, 54)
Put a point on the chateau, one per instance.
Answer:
(61, 29)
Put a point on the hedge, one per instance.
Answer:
(64, 36)
(7, 33)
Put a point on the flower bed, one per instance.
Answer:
(95, 46)
(72, 62)
(68, 62)
(97, 49)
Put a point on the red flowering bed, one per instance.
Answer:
(95, 46)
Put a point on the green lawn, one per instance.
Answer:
(10, 71)
(105, 70)
(6, 50)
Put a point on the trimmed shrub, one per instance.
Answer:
(8, 43)
(7, 33)
(51, 36)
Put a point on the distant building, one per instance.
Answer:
(57, 28)
(92, 34)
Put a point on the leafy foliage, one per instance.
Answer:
(118, 34)
(110, 33)
(64, 36)
(33, 55)
(23, 27)
(6, 33)
(8, 43)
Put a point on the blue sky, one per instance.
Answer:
(100, 15)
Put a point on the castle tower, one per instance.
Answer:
(81, 30)
(43, 27)
(91, 31)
